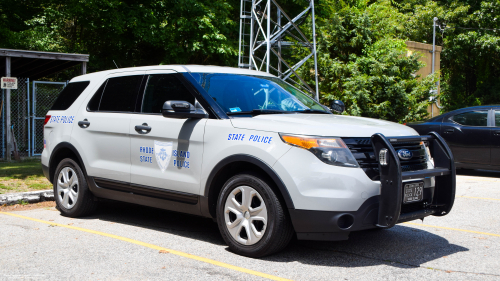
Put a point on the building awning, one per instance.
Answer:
(35, 65)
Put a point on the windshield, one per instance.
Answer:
(236, 93)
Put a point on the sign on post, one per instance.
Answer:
(9, 83)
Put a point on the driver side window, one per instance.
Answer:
(161, 88)
(472, 118)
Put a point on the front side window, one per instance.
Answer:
(472, 118)
(244, 93)
(69, 94)
(497, 118)
(161, 88)
(118, 94)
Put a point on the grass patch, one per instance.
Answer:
(22, 176)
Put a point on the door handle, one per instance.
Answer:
(84, 124)
(143, 129)
(449, 131)
(496, 133)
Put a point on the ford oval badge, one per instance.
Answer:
(405, 154)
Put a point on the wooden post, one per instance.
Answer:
(84, 67)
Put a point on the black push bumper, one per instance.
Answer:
(387, 209)
(391, 179)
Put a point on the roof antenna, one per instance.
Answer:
(115, 64)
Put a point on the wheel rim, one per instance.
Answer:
(67, 187)
(245, 215)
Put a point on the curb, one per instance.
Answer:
(29, 197)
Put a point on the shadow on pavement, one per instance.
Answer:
(401, 246)
(478, 173)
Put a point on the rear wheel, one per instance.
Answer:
(251, 217)
(72, 195)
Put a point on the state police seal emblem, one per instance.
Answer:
(163, 152)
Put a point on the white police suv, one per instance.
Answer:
(243, 147)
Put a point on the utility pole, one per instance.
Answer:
(7, 111)
(434, 92)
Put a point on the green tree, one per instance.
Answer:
(362, 64)
(470, 60)
(135, 33)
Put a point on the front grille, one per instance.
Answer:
(362, 150)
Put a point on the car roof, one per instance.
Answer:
(175, 67)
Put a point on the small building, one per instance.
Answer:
(426, 51)
(22, 110)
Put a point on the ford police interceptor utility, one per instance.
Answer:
(243, 147)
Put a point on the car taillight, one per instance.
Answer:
(47, 118)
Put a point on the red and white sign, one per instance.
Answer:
(9, 83)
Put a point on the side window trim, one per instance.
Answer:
(494, 119)
(487, 118)
(105, 83)
(142, 93)
(210, 106)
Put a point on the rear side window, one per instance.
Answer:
(162, 88)
(472, 118)
(497, 118)
(117, 94)
(69, 94)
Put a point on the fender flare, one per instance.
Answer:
(55, 152)
(257, 162)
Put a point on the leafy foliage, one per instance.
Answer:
(361, 64)
(362, 56)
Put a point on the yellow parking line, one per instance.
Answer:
(484, 198)
(456, 229)
(158, 248)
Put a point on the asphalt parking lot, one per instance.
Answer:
(125, 241)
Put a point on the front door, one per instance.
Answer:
(468, 136)
(103, 122)
(166, 153)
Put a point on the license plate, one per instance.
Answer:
(413, 192)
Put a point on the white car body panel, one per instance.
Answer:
(323, 125)
(219, 146)
(314, 185)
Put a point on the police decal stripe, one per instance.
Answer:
(63, 119)
(251, 138)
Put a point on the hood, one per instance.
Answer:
(322, 125)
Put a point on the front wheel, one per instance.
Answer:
(71, 192)
(251, 217)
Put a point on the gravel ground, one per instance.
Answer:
(36, 251)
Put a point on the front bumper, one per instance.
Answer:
(387, 209)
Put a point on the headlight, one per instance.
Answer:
(332, 151)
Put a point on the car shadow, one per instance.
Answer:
(401, 246)
(479, 173)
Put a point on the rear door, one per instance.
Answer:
(167, 156)
(495, 138)
(469, 137)
(103, 132)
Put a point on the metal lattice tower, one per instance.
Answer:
(266, 35)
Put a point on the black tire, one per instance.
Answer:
(85, 203)
(279, 230)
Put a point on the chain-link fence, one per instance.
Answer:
(19, 119)
(44, 95)
(28, 107)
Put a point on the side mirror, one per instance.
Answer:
(337, 106)
(181, 109)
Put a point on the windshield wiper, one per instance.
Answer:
(312, 111)
(256, 112)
